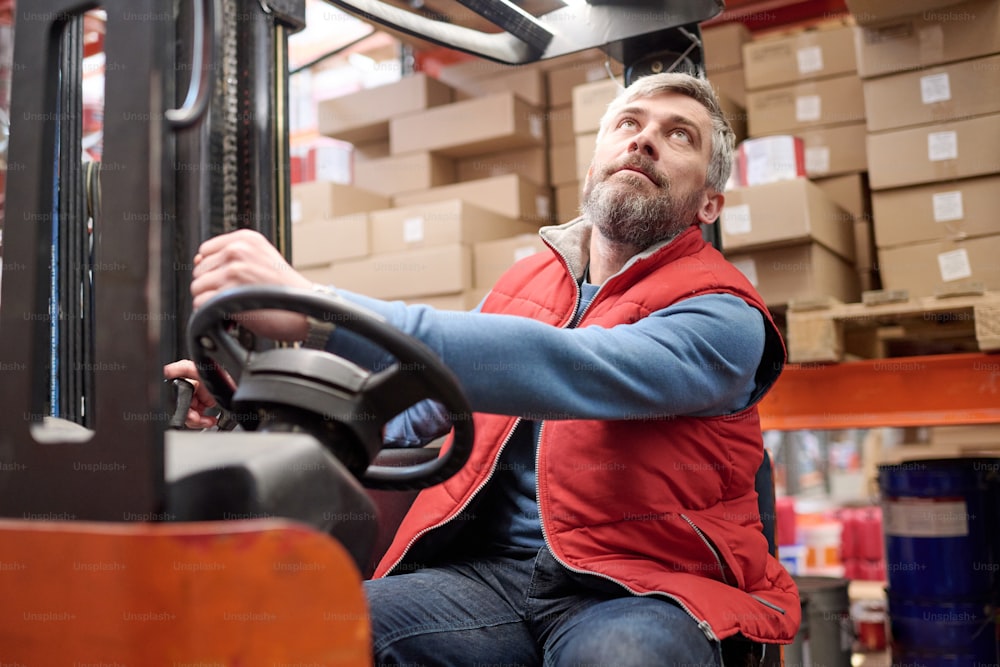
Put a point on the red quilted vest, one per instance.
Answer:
(659, 506)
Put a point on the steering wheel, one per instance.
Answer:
(342, 404)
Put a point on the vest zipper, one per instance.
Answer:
(703, 625)
(711, 547)
(503, 445)
(472, 496)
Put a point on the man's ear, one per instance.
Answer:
(711, 208)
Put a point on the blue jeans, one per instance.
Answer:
(507, 612)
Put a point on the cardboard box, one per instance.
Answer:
(806, 55)
(723, 46)
(944, 35)
(730, 83)
(364, 116)
(440, 223)
(970, 436)
(562, 164)
(526, 82)
(532, 163)
(864, 246)
(586, 144)
(785, 213)
(840, 149)
(511, 195)
(736, 115)
(939, 211)
(568, 198)
(929, 269)
(322, 242)
(563, 79)
(834, 101)
(802, 271)
(867, 12)
(397, 174)
(464, 300)
(944, 92)
(324, 159)
(850, 192)
(481, 125)
(768, 159)
(321, 200)
(410, 273)
(941, 152)
(371, 150)
(590, 101)
(559, 125)
(473, 68)
(491, 259)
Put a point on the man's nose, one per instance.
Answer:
(644, 143)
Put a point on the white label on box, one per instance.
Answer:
(942, 146)
(818, 160)
(736, 219)
(926, 517)
(810, 59)
(296, 210)
(535, 125)
(413, 229)
(748, 268)
(769, 159)
(524, 251)
(808, 108)
(596, 74)
(948, 206)
(935, 88)
(954, 265)
(542, 206)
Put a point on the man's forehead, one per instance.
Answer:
(674, 102)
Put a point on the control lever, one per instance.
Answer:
(184, 391)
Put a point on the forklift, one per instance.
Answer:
(125, 539)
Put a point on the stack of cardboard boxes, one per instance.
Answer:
(805, 238)
(437, 172)
(590, 101)
(932, 98)
(453, 176)
(590, 80)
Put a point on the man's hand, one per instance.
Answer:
(202, 399)
(246, 257)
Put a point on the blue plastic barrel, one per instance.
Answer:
(942, 537)
(944, 628)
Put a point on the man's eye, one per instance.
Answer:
(628, 123)
(683, 135)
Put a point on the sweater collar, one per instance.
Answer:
(571, 240)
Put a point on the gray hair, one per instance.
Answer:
(723, 138)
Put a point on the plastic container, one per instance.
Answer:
(826, 635)
(941, 534)
(945, 627)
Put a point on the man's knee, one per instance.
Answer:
(649, 633)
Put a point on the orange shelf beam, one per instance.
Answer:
(905, 391)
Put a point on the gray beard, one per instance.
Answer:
(635, 219)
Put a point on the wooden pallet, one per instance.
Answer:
(889, 324)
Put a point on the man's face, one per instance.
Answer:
(647, 179)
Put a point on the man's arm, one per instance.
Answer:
(697, 357)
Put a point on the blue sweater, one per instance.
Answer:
(696, 357)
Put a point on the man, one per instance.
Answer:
(607, 515)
